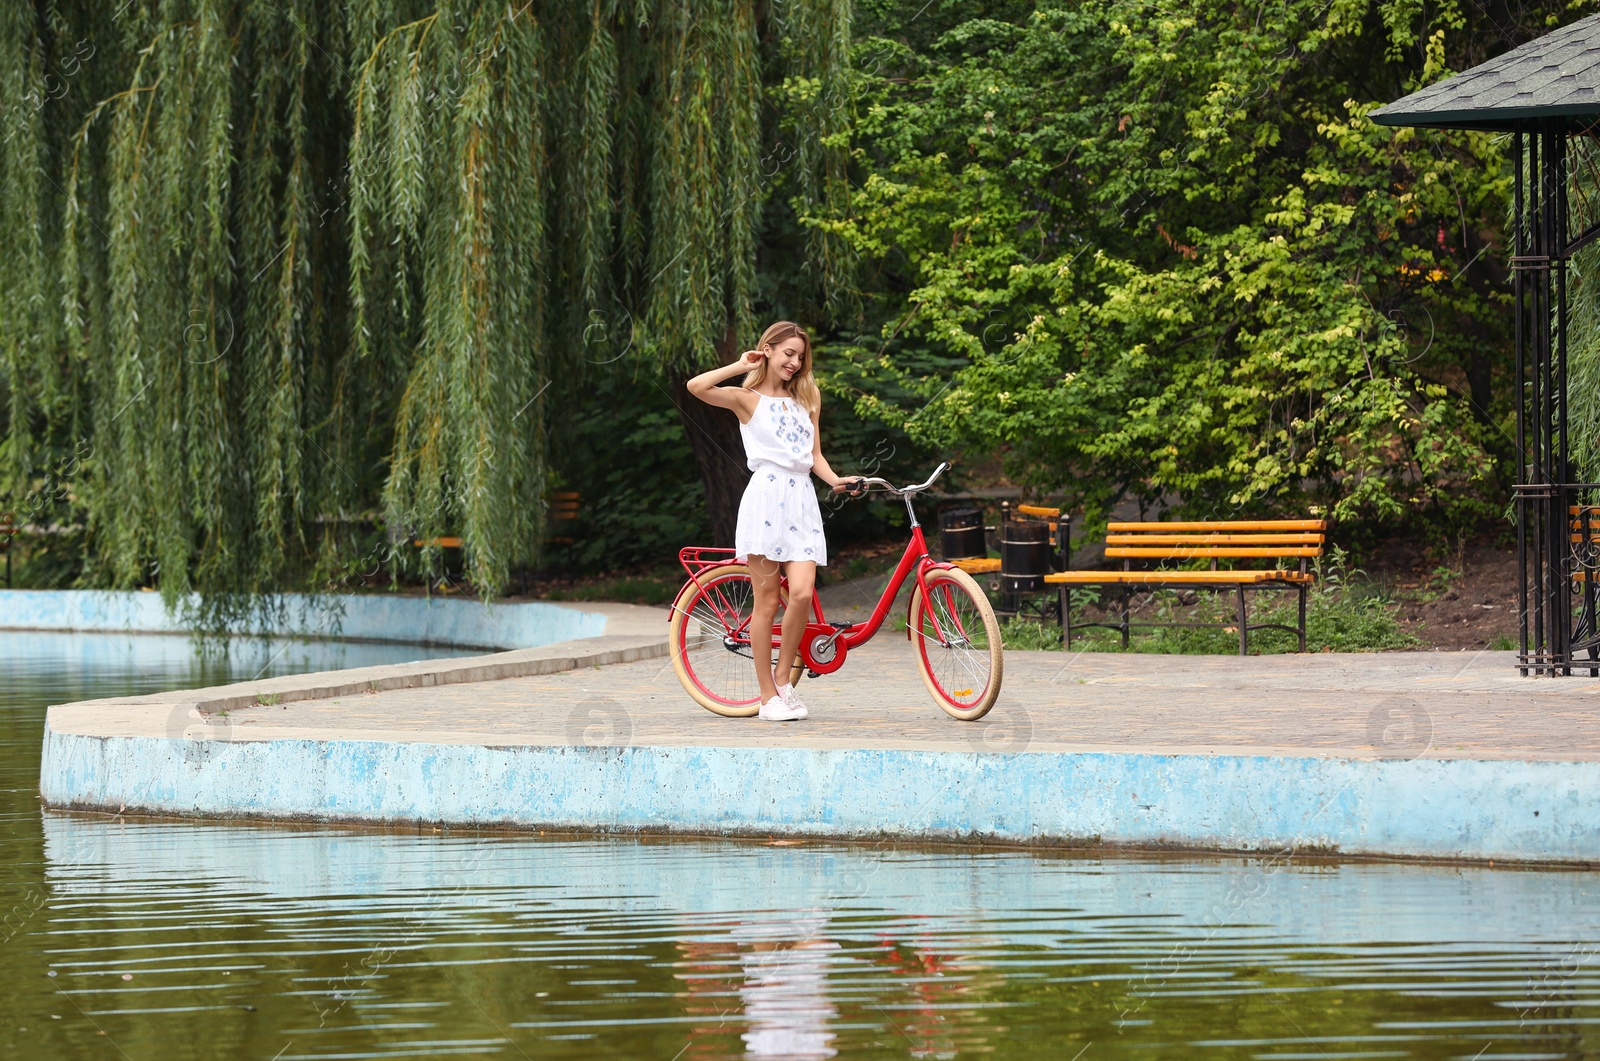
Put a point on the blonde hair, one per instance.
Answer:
(803, 387)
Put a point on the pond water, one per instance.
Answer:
(174, 940)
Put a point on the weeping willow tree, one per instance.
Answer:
(277, 270)
(1583, 313)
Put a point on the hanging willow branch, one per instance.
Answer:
(289, 278)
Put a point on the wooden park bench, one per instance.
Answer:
(1585, 563)
(563, 508)
(1300, 540)
(563, 511)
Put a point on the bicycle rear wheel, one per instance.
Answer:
(709, 637)
(957, 642)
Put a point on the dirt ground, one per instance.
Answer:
(1467, 600)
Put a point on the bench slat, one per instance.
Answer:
(1038, 510)
(1186, 578)
(1180, 552)
(1225, 525)
(977, 565)
(1214, 539)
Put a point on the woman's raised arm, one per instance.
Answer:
(705, 385)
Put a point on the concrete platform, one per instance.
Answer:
(1428, 755)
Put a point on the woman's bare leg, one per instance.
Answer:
(764, 577)
(802, 582)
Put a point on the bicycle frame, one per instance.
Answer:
(824, 645)
(915, 558)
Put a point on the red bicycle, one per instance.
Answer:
(949, 622)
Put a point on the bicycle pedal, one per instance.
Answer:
(811, 673)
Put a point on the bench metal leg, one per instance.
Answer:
(1302, 617)
(1244, 630)
(1125, 595)
(1065, 597)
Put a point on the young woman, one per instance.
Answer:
(780, 523)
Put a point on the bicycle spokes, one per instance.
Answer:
(948, 625)
(958, 644)
(730, 603)
(710, 638)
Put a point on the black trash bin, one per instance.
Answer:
(1024, 556)
(961, 533)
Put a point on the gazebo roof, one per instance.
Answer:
(1554, 76)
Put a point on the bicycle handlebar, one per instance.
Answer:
(903, 491)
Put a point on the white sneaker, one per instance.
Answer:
(792, 698)
(775, 710)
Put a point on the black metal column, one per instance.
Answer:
(1549, 564)
(1541, 616)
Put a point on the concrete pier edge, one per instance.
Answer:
(1504, 810)
(1473, 810)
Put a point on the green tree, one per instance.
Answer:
(278, 271)
(1175, 260)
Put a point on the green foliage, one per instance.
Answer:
(1175, 259)
(282, 271)
(623, 449)
(656, 590)
(291, 281)
(1030, 635)
(1583, 322)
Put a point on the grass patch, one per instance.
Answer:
(1030, 635)
(1345, 612)
(629, 589)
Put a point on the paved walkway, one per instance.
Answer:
(1399, 705)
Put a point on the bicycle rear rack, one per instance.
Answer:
(696, 558)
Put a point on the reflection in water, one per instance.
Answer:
(769, 975)
(942, 976)
(785, 988)
(791, 979)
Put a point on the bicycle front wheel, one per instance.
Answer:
(712, 650)
(957, 642)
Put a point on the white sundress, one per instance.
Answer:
(779, 517)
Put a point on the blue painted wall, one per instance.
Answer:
(440, 621)
(1534, 811)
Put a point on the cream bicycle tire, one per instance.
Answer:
(956, 664)
(695, 633)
